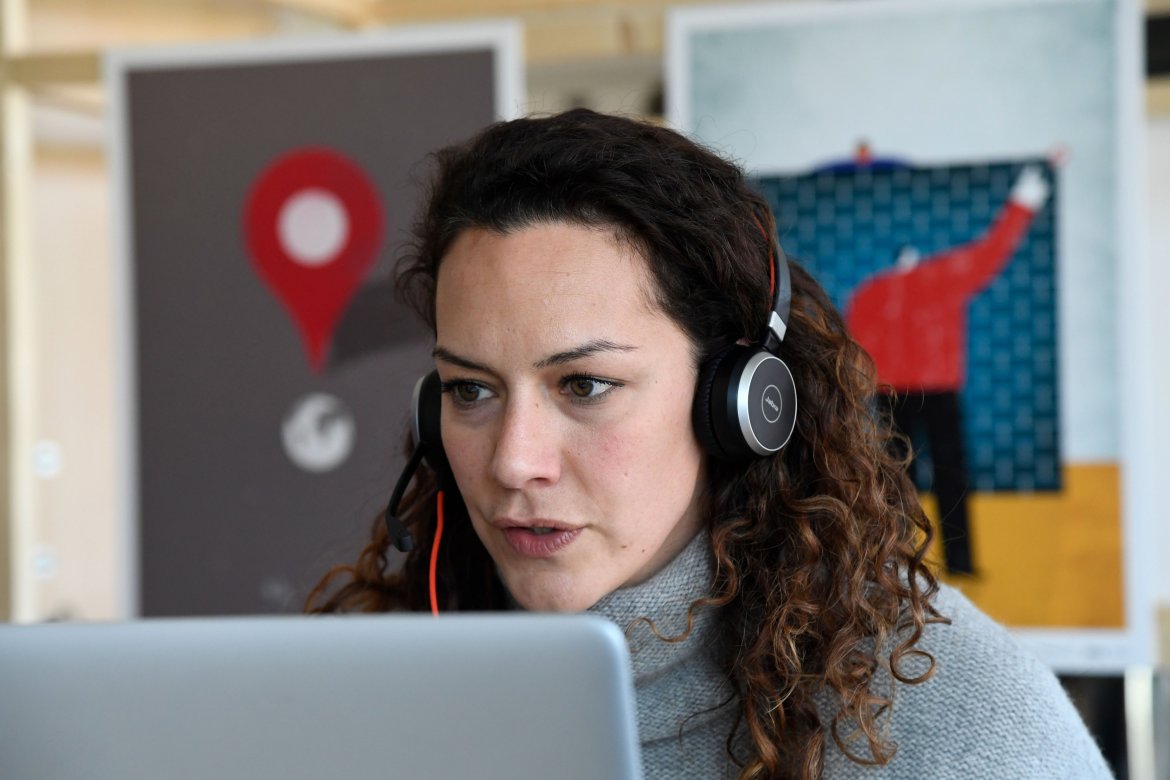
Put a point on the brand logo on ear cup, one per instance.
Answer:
(772, 403)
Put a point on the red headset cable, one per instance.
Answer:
(771, 257)
(435, 555)
(771, 272)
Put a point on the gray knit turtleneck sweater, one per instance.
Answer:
(990, 711)
(685, 706)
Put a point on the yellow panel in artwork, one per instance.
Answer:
(1048, 560)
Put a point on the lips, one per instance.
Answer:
(538, 539)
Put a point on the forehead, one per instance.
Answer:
(542, 276)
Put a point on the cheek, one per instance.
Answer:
(468, 454)
(651, 458)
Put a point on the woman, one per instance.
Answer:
(590, 280)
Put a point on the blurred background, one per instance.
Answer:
(141, 459)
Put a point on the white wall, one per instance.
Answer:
(1158, 242)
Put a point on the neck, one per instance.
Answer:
(677, 673)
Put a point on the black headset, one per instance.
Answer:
(745, 398)
(744, 407)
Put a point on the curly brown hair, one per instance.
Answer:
(819, 551)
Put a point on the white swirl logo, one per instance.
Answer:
(318, 433)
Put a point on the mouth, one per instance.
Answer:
(538, 538)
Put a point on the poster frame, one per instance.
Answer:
(504, 37)
(1084, 651)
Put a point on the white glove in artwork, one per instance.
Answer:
(1031, 188)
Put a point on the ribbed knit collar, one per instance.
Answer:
(679, 685)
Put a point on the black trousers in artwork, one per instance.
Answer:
(939, 414)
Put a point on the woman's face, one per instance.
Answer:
(566, 411)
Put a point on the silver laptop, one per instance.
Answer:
(499, 696)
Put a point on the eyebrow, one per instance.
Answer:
(556, 359)
(583, 351)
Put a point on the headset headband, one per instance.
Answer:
(781, 279)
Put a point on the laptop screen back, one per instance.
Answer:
(508, 696)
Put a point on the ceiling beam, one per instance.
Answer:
(31, 71)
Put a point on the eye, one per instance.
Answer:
(587, 388)
(465, 393)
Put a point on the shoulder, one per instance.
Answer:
(991, 709)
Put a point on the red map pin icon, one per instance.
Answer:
(313, 225)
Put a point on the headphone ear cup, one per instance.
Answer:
(750, 400)
(425, 408)
(707, 405)
(781, 429)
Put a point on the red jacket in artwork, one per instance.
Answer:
(914, 322)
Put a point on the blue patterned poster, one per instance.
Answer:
(1003, 316)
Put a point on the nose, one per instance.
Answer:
(528, 447)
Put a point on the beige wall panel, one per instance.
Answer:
(73, 555)
(1158, 96)
(15, 143)
(592, 34)
(622, 85)
(10, 114)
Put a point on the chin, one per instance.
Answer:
(551, 594)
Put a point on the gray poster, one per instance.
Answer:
(273, 364)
